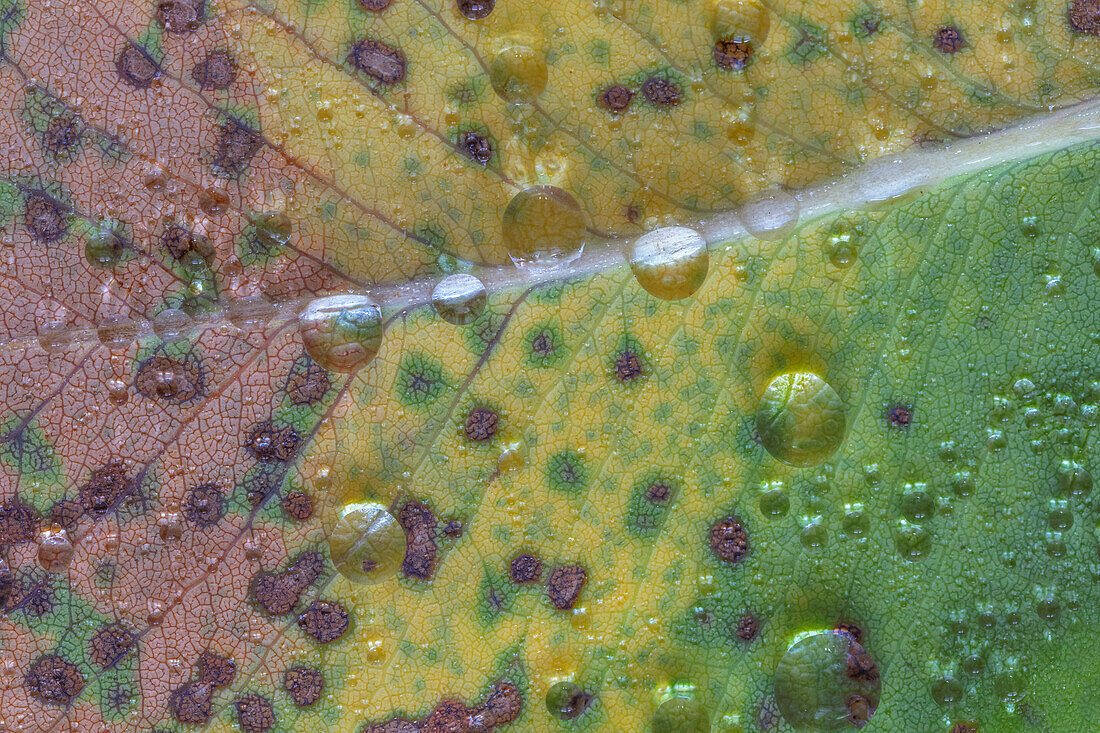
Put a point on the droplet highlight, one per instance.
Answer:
(543, 225)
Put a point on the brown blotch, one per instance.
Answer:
(54, 679)
(475, 9)
(453, 529)
(110, 645)
(661, 92)
(733, 54)
(850, 630)
(475, 146)
(948, 39)
(62, 135)
(136, 67)
(179, 243)
(481, 424)
(543, 344)
(204, 505)
(729, 540)
(421, 553)
(160, 377)
(628, 366)
(191, 703)
(304, 685)
(859, 710)
(308, 385)
(217, 71)
(564, 586)
(659, 494)
(18, 521)
(45, 217)
(324, 621)
(267, 443)
(449, 716)
(375, 6)
(966, 726)
(616, 98)
(107, 487)
(33, 596)
(66, 513)
(859, 664)
(748, 628)
(255, 713)
(378, 60)
(279, 592)
(7, 584)
(180, 16)
(216, 670)
(298, 505)
(395, 725)
(525, 568)
(236, 145)
(1084, 16)
(899, 416)
(502, 705)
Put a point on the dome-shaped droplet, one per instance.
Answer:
(774, 503)
(543, 225)
(670, 263)
(272, 228)
(567, 700)
(518, 73)
(747, 19)
(800, 419)
(367, 545)
(681, 715)
(253, 311)
(55, 551)
(459, 299)
(104, 249)
(342, 332)
(172, 324)
(117, 332)
(771, 215)
(827, 681)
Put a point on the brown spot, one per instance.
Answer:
(481, 424)
(324, 621)
(659, 494)
(7, 584)
(475, 146)
(110, 645)
(54, 679)
(948, 39)
(729, 540)
(525, 568)
(543, 344)
(304, 685)
(502, 705)
(475, 9)
(267, 443)
(564, 586)
(18, 521)
(633, 213)
(204, 505)
(62, 135)
(45, 217)
(733, 54)
(107, 487)
(661, 92)
(66, 513)
(180, 16)
(279, 593)
(966, 726)
(453, 529)
(628, 366)
(1084, 16)
(899, 416)
(616, 98)
(217, 71)
(307, 384)
(179, 243)
(170, 379)
(255, 714)
(852, 631)
(191, 703)
(378, 60)
(216, 670)
(420, 549)
(236, 145)
(748, 628)
(32, 596)
(859, 664)
(264, 482)
(136, 67)
(859, 709)
(394, 725)
(298, 505)
(449, 716)
(375, 6)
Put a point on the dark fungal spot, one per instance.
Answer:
(394, 725)
(852, 631)
(218, 70)
(1084, 16)
(62, 135)
(542, 345)
(304, 685)
(45, 217)
(733, 54)
(859, 710)
(648, 505)
(298, 505)
(268, 443)
(279, 592)
(191, 703)
(948, 39)
(966, 726)
(475, 9)
(204, 505)
(65, 513)
(264, 481)
(658, 493)
(7, 584)
(899, 416)
(255, 713)
(748, 628)
(324, 621)
(564, 586)
(179, 242)
(53, 679)
(421, 553)
(453, 529)
(525, 568)
(447, 716)
(110, 645)
(216, 670)
(180, 17)
(32, 596)
(481, 424)
(616, 98)
(234, 148)
(106, 488)
(729, 540)
(170, 379)
(628, 366)
(475, 146)
(661, 92)
(18, 521)
(136, 67)
(375, 6)
(378, 60)
(308, 383)
(859, 665)
(502, 705)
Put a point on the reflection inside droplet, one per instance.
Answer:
(250, 312)
(459, 299)
(103, 249)
(342, 332)
(543, 225)
(518, 73)
(117, 332)
(827, 681)
(800, 419)
(367, 545)
(681, 715)
(670, 263)
(172, 324)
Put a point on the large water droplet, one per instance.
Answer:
(172, 324)
(272, 229)
(800, 419)
(543, 225)
(1074, 479)
(913, 541)
(567, 700)
(117, 332)
(670, 263)
(367, 545)
(459, 299)
(55, 551)
(770, 216)
(518, 73)
(342, 332)
(827, 681)
(681, 715)
(104, 249)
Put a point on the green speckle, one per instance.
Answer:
(420, 380)
(566, 472)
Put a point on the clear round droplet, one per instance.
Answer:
(1074, 479)
(827, 681)
(342, 332)
(272, 228)
(801, 419)
(55, 551)
(567, 700)
(543, 225)
(814, 536)
(459, 299)
(681, 715)
(774, 503)
(947, 691)
(367, 545)
(117, 333)
(54, 335)
(913, 541)
(104, 249)
(518, 73)
(770, 216)
(253, 311)
(670, 263)
(172, 324)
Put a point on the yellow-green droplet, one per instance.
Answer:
(801, 419)
(459, 299)
(342, 332)
(681, 715)
(827, 681)
(104, 249)
(543, 225)
(367, 545)
(670, 263)
(518, 73)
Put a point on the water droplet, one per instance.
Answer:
(342, 332)
(814, 536)
(518, 73)
(774, 503)
(825, 681)
(670, 263)
(459, 299)
(55, 551)
(842, 243)
(253, 311)
(800, 419)
(681, 715)
(117, 391)
(1048, 609)
(738, 19)
(172, 324)
(54, 335)
(1023, 388)
(913, 541)
(1074, 479)
(117, 333)
(104, 249)
(1061, 516)
(947, 691)
(543, 225)
(1009, 686)
(973, 664)
(367, 544)
(770, 216)
(855, 520)
(272, 229)
(567, 700)
(917, 504)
